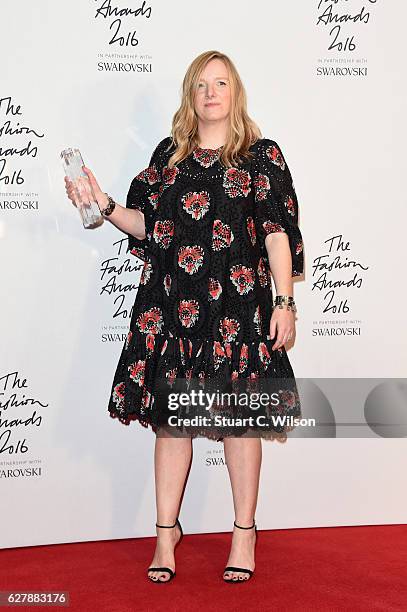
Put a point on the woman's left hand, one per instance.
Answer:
(282, 321)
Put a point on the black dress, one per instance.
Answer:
(203, 307)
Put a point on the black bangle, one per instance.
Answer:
(110, 207)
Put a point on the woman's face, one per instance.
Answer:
(212, 96)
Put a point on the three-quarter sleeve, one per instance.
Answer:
(143, 195)
(276, 205)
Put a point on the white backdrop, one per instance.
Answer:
(335, 102)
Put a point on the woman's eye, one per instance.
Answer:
(222, 82)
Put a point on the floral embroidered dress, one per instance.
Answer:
(205, 298)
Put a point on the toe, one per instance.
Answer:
(156, 576)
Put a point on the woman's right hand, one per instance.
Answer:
(81, 191)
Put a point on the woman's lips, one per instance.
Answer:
(212, 104)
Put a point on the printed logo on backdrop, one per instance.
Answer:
(21, 416)
(119, 281)
(124, 28)
(19, 144)
(336, 277)
(343, 25)
(214, 457)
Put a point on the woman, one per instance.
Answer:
(214, 217)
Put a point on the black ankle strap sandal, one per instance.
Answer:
(168, 570)
(244, 570)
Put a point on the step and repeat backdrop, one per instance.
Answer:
(326, 80)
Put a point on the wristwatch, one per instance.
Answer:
(110, 207)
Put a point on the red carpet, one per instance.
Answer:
(335, 568)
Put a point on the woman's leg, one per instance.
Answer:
(243, 459)
(172, 458)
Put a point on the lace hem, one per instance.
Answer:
(164, 361)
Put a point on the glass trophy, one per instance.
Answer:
(85, 198)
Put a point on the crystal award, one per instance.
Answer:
(85, 198)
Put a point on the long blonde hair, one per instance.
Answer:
(243, 131)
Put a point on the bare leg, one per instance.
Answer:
(243, 459)
(172, 458)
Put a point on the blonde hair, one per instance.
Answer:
(243, 131)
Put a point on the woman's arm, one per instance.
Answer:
(280, 261)
(282, 320)
(277, 228)
(128, 220)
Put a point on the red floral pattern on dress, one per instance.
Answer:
(262, 273)
(287, 399)
(164, 347)
(149, 175)
(206, 157)
(145, 399)
(188, 375)
(228, 350)
(275, 156)
(154, 200)
(253, 380)
(298, 247)
(146, 273)
(290, 206)
(264, 354)
(150, 343)
(188, 312)
(236, 182)
(271, 227)
(128, 339)
(171, 375)
(138, 252)
(118, 395)
(190, 258)
(215, 289)
(261, 187)
(181, 350)
(136, 370)
(167, 284)
(257, 320)
(229, 329)
(243, 358)
(169, 175)
(251, 229)
(222, 235)
(243, 278)
(150, 321)
(163, 232)
(196, 203)
(219, 354)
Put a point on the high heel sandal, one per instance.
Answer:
(244, 570)
(166, 569)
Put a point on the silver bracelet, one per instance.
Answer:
(285, 300)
